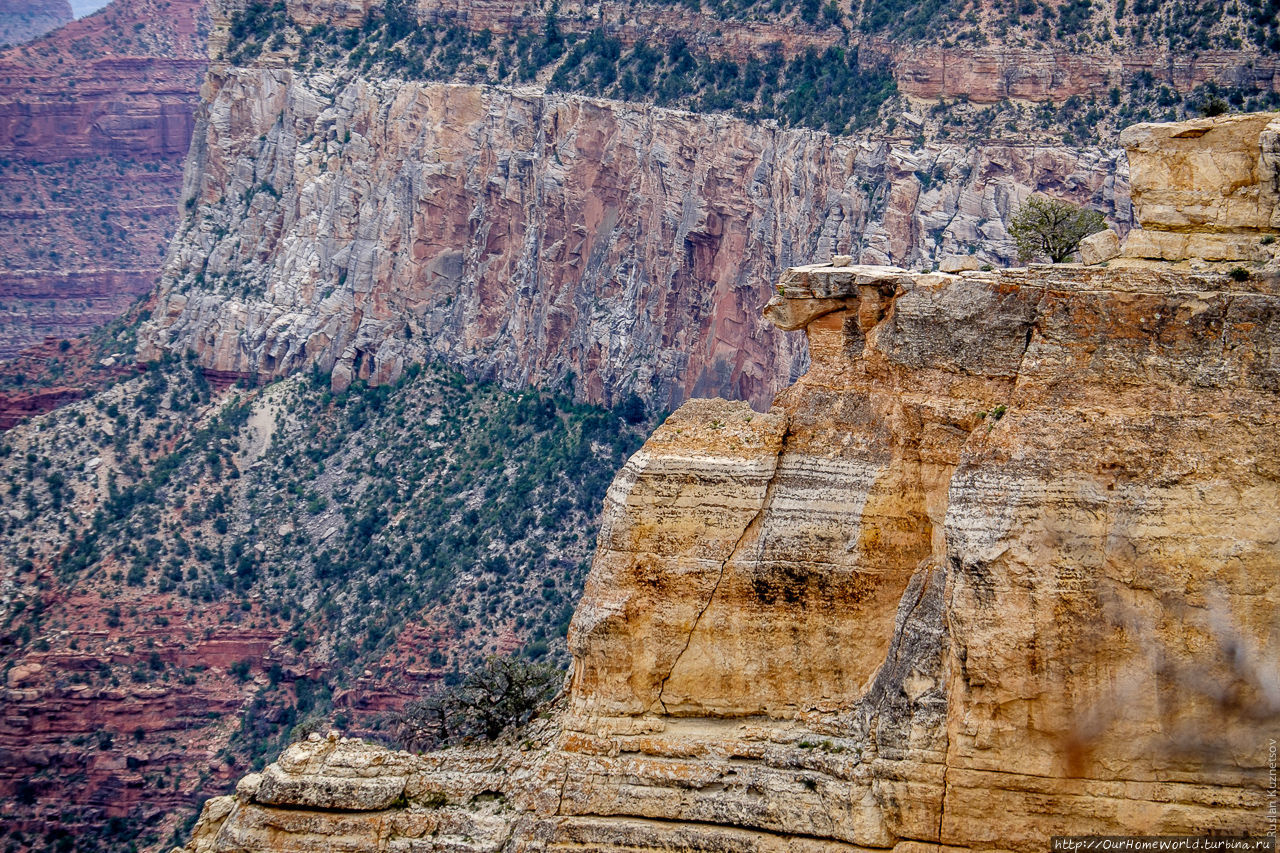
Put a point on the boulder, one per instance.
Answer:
(959, 263)
(1099, 247)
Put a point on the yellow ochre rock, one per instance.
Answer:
(1206, 188)
(1002, 565)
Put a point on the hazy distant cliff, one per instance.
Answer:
(95, 121)
(23, 20)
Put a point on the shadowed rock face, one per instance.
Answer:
(362, 225)
(1007, 548)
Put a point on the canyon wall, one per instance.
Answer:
(990, 74)
(364, 224)
(95, 122)
(104, 107)
(1000, 566)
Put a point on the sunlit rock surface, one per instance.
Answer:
(1207, 189)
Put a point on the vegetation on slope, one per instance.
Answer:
(833, 88)
(358, 547)
(827, 89)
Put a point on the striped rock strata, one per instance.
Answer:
(1206, 189)
(1001, 565)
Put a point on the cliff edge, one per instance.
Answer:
(1001, 565)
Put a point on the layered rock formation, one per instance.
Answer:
(362, 225)
(95, 120)
(1206, 189)
(723, 34)
(963, 568)
(990, 74)
(1000, 566)
(23, 20)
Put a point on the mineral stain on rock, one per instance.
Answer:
(532, 236)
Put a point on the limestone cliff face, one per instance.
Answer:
(362, 225)
(1001, 565)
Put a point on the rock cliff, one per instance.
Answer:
(364, 224)
(95, 121)
(1001, 565)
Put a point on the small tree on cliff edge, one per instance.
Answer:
(503, 693)
(1052, 228)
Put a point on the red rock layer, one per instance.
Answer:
(991, 74)
(95, 121)
(125, 720)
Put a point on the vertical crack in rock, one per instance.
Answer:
(1032, 325)
(945, 676)
(946, 767)
(733, 552)
(564, 783)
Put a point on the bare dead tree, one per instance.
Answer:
(503, 693)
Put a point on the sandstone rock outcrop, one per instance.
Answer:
(364, 224)
(1006, 549)
(1207, 188)
(987, 75)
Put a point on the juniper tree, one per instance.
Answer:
(1052, 228)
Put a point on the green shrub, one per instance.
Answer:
(1052, 228)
